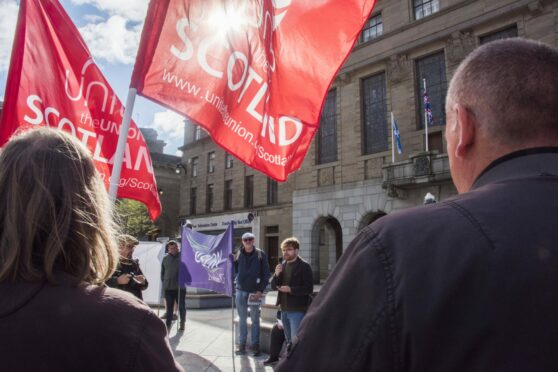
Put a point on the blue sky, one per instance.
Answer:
(111, 29)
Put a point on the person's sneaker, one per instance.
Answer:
(174, 317)
(256, 351)
(181, 327)
(241, 350)
(270, 361)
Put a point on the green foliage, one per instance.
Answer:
(132, 218)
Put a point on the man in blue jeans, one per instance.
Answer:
(251, 277)
(293, 280)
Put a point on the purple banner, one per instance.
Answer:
(206, 260)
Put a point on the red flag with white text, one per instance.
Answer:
(254, 73)
(53, 81)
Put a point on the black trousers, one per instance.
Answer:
(171, 295)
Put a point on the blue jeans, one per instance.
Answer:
(242, 308)
(291, 321)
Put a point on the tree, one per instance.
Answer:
(133, 219)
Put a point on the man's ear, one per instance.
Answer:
(466, 130)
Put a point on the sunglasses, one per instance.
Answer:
(248, 239)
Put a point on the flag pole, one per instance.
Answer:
(425, 115)
(122, 139)
(392, 140)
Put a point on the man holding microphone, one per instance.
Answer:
(293, 280)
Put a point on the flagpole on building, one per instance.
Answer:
(425, 115)
(392, 140)
(122, 139)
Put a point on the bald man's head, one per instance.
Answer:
(511, 88)
(502, 98)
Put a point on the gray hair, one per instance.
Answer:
(511, 88)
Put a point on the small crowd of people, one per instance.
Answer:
(464, 284)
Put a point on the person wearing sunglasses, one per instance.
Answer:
(251, 277)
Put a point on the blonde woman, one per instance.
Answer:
(56, 248)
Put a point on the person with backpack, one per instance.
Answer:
(251, 278)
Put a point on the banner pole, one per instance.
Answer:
(122, 139)
(232, 324)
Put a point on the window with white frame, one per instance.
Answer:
(424, 8)
(211, 162)
(228, 161)
(194, 164)
(372, 28)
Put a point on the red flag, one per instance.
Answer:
(254, 73)
(53, 81)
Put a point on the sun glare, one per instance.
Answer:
(228, 20)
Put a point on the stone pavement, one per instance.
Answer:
(206, 345)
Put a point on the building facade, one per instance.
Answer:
(349, 178)
(218, 188)
(168, 177)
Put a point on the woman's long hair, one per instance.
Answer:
(54, 211)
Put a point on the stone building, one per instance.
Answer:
(218, 188)
(168, 177)
(348, 178)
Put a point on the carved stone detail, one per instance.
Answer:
(326, 176)
(399, 68)
(458, 46)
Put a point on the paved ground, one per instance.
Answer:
(206, 345)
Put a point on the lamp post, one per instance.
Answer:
(180, 166)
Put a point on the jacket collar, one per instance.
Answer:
(535, 162)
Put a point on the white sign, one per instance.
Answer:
(221, 222)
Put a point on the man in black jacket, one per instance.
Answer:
(469, 283)
(128, 275)
(252, 276)
(293, 280)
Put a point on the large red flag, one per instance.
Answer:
(254, 73)
(53, 81)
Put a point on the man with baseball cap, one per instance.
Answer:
(251, 277)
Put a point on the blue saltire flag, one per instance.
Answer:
(206, 260)
(395, 130)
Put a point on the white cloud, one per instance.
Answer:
(112, 41)
(93, 18)
(170, 128)
(8, 20)
(134, 10)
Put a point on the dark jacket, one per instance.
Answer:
(301, 283)
(251, 270)
(169, 272)
(79, 328)
(468, 284)
(128, 266)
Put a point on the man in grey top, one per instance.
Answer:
(169, 276)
